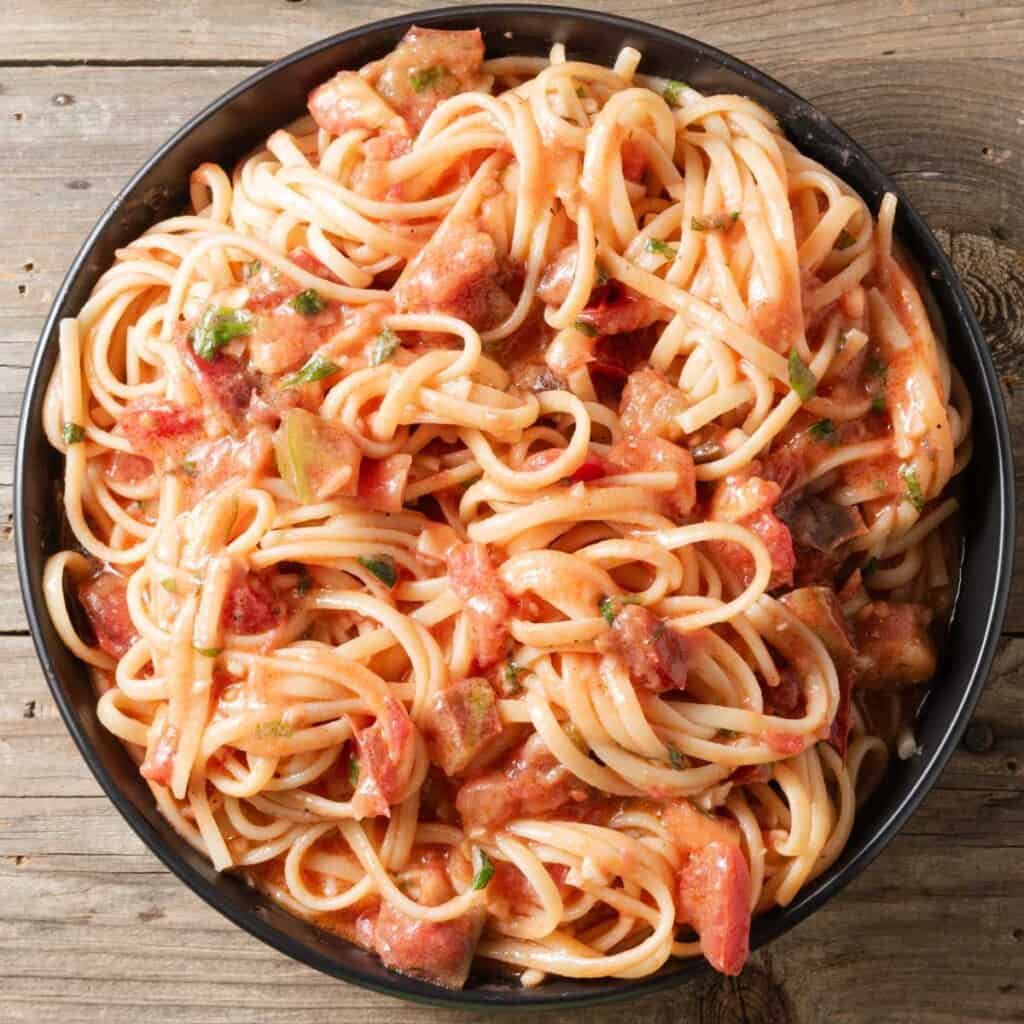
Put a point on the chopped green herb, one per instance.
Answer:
(869, 567)
(353, 771)
(700, 224)
(188, 467)
(707, 451)
(431, 77)
(585, 328)
(715, 223)
(580, 91)
(672, 93)
(659, 628)
(512, 684)
(317, 367)
(277, 728)
(914, 493)
(824, 430)
(210, 652)
(874, 367)
(609, 607)
(382, 566)
(881, 486)
(384, 346)
(218, 327)
(307, 302)
(845, 240)
(660, 248)
(878, 402)
(677, 759)
(726, 734)
(73, 433)
(305, 584)
(252, 269)
(484, 871)
(801, 380)
(734, 216)
(170, 585)
(600, 275)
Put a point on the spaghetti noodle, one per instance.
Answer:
(511, 507)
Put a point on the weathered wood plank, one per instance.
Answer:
(787, 32)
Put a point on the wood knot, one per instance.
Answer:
(755, 997)
(979, 738)
(993, 276)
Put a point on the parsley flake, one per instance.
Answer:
(74, 433)
(914, 493)
(218, 327)
(385, 345)
(673, 93)
(801, 380)
(317, 367)
(484, 871)
(586, 328)
(824, 430)
(382, 566)
(210, 652)
(422, 79)
(660, 248)
(307, 302)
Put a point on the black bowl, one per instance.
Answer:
(276, 94)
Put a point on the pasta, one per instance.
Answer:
(512, 512)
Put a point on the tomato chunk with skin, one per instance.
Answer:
(894, 647)
(250, 605)
(713, 886)
(348, 101)
(748, 500)
(223, 382)
(382, 482)
(476, 583)
(631, 454)
(385, 757)
(456, 273)
(714, 896)
(615, 308)
(656, 656)
(462, 720)
(159, 429)
(104, 598)
(440, 952)
(426, 67)
(649, 405)
(530, 783)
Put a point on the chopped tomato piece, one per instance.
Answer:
(747, 500)
(104, 598)
(531, 782)
(691, 828)
(591, 468)
(426, 67)
(440, 952)
(462, 720)
(250, 605)
(655, 455)
(382, 482)
(348, 101)
(158, 766)
(615, 308)
(786, 699)
(655, 655)
(893, 644)
(634, 160)
(386, 751)
(787, 744)
(456, 273)
(223, 381)
(476, 584)
(714, 897)
(649, 405)
(159, 429)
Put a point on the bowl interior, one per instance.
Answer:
(222, 133)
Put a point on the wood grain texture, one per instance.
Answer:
(93, 929)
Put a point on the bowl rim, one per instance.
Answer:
(812, 895)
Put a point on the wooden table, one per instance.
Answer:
(93, 929)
